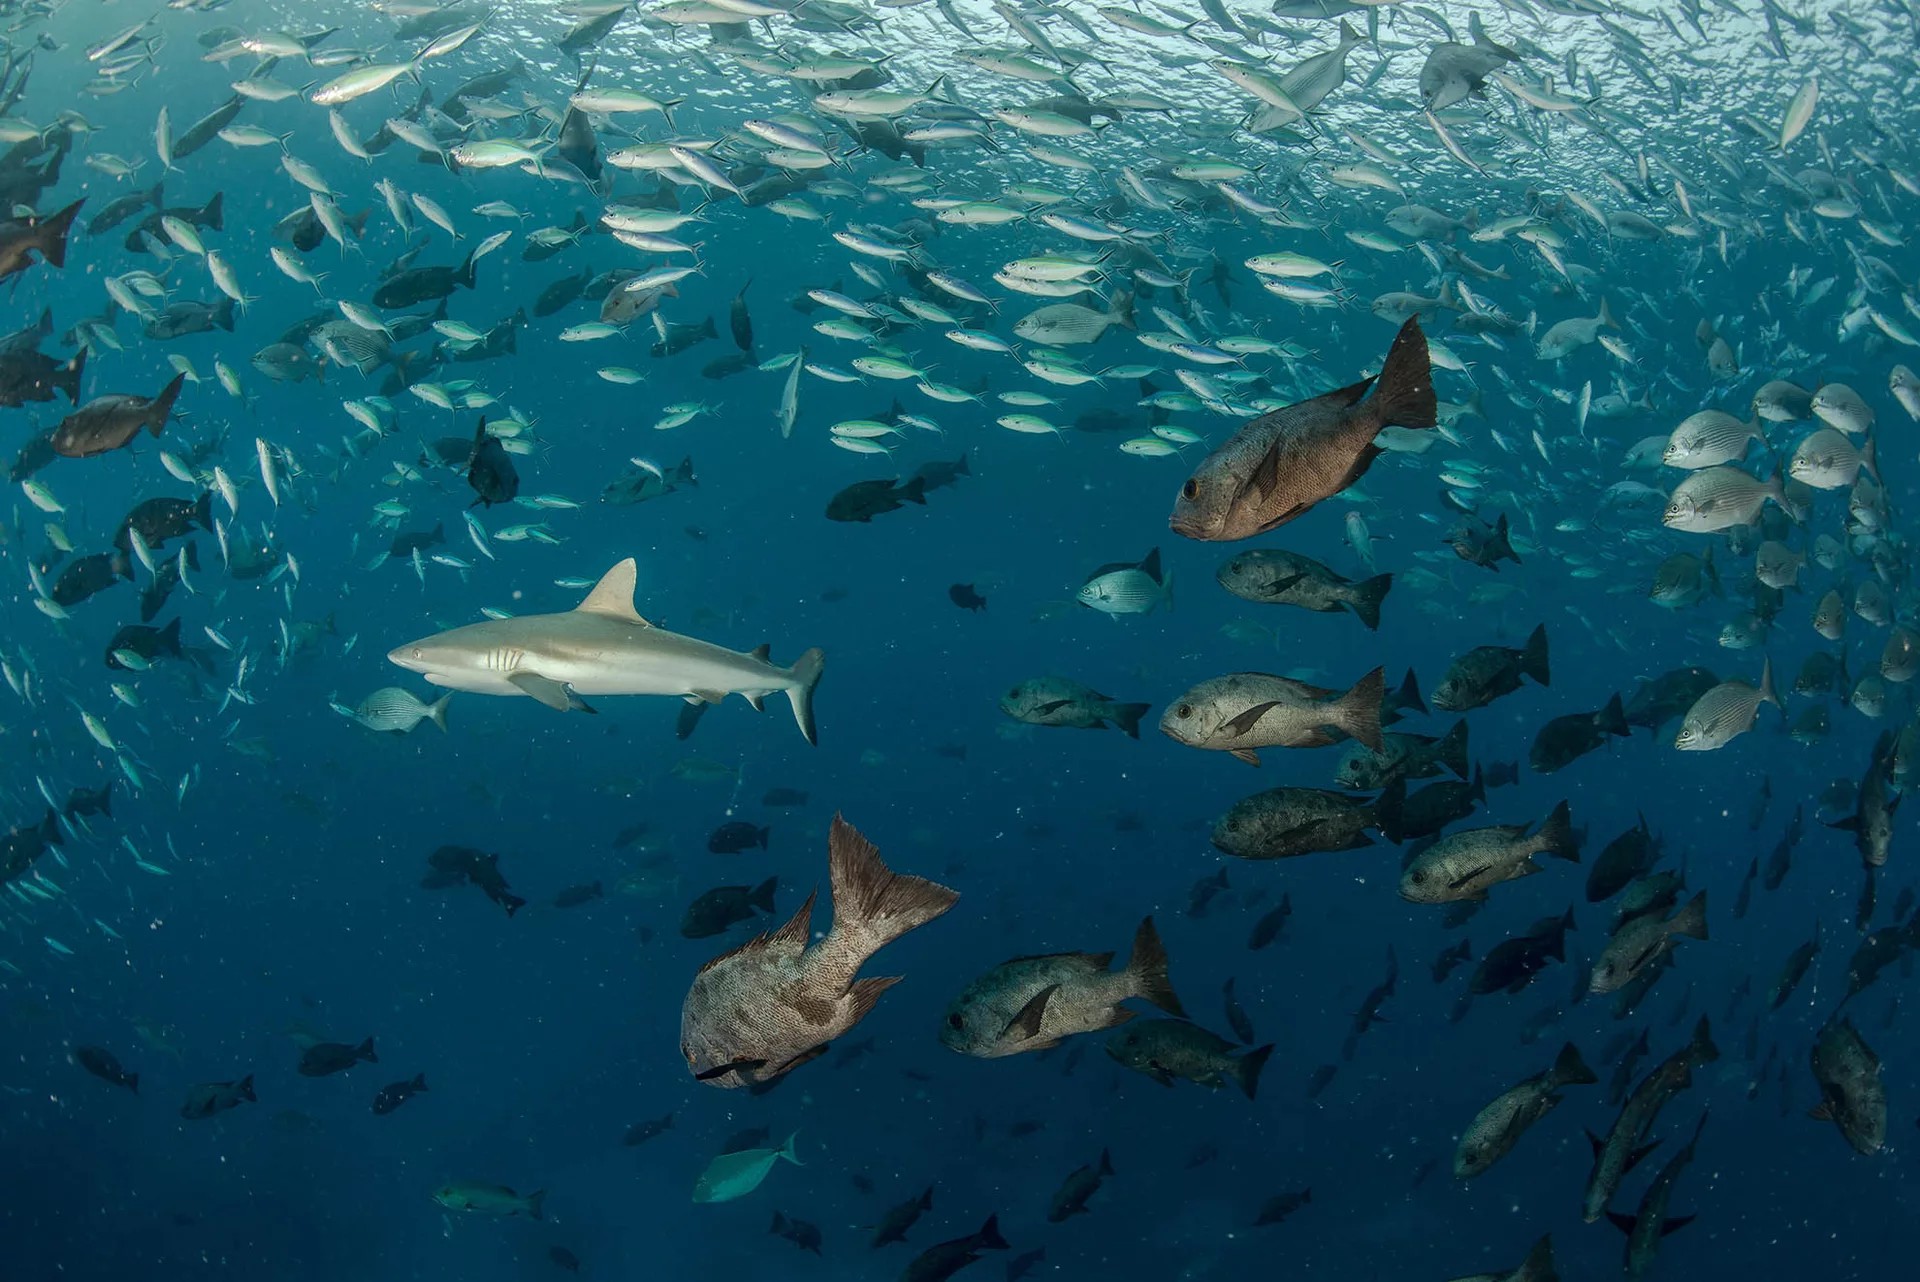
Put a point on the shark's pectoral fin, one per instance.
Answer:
(548, 691)
(709, 696)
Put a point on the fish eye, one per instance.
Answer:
(1183, 711)
(1014, 693)
(1416, 877)
(955, 1022)
(1191, 489)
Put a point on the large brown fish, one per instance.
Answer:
(110, 422)
(1281, 464)
(777, 1001)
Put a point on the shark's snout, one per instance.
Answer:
(411, 657)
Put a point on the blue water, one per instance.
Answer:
(291, 901)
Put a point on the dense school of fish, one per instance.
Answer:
(1208, 245)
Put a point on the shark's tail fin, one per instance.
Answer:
(806, 675)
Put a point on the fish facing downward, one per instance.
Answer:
(603, 646)
(777, 1001)
(1281, 464)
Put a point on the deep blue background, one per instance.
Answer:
(294, 900)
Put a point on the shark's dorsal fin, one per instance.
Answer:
(612, 596)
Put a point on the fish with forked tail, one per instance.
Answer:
(777, 1001)
(1283, 463)
(1031, 1003)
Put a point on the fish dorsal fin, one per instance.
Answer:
(797, 930)
(612, 596)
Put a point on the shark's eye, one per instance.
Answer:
(1191, 490)
(418, 653)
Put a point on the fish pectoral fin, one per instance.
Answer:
(804, 1057)
(554, 694)
(1265, 477)
(1281, 585)
(1244, 723)
(1466, 878)
(1025, 1026)
(731, 1066)
(1247, 755)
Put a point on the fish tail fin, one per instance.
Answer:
(537, 1203)
(465, 275)
(1570, 1070)
(1501, 544)
(365, 1051)
(1533, 659)
(1127, 717)
(762, 896)
(1702, 1046)
(1246, 1069)
(1404, 395)
(1148, 969)
(170, 638)
(1556, 835)
(162, 407)
(1691, 920)
(1408, 695)
(1539, 1262)
(1606, 315)
(437, 711)
(52, 234)
(213, 214)
(1767, 694)
(419, 1082)
(1358, 712)
(805, 675)
(1612, 719)
(989, 1235)
(870, 900)
(1366, 599)
(787, 1150)
(245, 1087)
